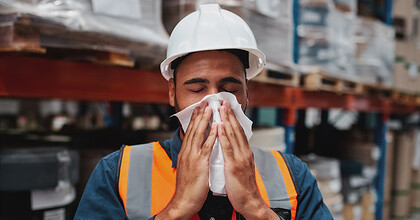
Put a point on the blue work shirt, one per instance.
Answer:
(101, 198)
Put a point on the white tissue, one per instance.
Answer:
(217, 176)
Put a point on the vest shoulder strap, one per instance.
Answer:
(276, 179)
(143, 155)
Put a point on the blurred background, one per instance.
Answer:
(80, 78)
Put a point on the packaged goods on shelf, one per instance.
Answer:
(402, 175)
(325, 39)
(352, 211)
(415, 191)
(133, 28)
(374, 51)
(361, 150)
(407, 66)
(315, 35)
(345, 49)
(405, 13)
(363, 210)
(270, 21)
(349, 6)
(268, 138)
(327, 173)
(368, 205)
(357, 180)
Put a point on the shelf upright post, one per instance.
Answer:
(381, 129)
(286, 117)
(289, 129)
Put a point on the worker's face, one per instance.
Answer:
(205, 73)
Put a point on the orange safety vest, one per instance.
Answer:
(146, 180)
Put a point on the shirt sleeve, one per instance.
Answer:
(100, 199)
(310, 202)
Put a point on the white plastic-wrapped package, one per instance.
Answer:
(375, 51)
(316, 43)
(270, 21)
(132, 26)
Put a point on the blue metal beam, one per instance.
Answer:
(380, 140)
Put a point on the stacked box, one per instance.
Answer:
(132, 27)
(327, 173)
(375, 55)
(270, 21)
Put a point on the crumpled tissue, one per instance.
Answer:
(216, 172)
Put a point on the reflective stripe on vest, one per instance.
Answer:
(146, 180)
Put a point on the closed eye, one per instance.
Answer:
(196, 90)
(230, 91)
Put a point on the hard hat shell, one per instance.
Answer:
(212, 28)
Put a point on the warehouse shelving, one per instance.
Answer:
(36, 77)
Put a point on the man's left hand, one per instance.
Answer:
(241, 186)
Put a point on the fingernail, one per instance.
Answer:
(195, 110)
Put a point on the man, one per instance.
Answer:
(210, 51)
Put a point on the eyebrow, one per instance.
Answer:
(231, 80)
(224, 80)
(196, 80)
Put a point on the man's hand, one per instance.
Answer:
(192, 178)
(241, 186)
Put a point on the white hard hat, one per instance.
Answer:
(212, 28)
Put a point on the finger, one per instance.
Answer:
(230, 133)
(227, 150)
(200, 113)
(202, 125)
(236, 127)
(193, 122)
(187, 135)
(208, 145)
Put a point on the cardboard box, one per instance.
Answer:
(352, 211)
(404, 13)
(415, 190)
(368, 206)
(402, 175)
(406, 67)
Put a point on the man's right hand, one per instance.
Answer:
(192, 178)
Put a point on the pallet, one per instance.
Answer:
(323, 82)
(377, 90)
(405, 98)
(26, 35)
(283, 78)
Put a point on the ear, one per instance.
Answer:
(171, 85)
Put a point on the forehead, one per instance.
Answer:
(211, 64)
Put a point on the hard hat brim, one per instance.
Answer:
(257, 62)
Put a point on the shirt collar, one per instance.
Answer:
(173, 146)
